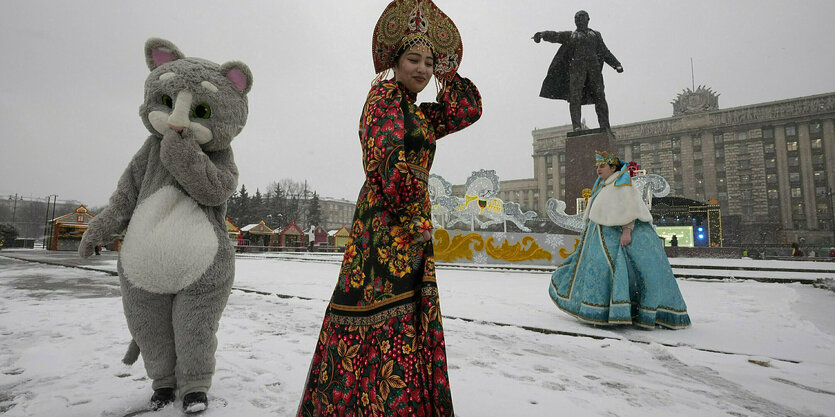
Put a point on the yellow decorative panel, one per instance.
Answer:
(526, 250)
(461, 246)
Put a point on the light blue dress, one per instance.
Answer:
(605, 283)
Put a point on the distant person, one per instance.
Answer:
(796, 249)
(812, 253)
(97, 250)
(674, 241)
(619, 273)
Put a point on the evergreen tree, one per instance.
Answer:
(257, 208)
(244, 211)
(232, 210)
(8, 234)
(314, 212)
(276, 204)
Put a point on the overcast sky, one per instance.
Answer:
(72, 75)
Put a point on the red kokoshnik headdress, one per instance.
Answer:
(406, 22)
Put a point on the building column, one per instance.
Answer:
(627, 151)
(783, 176)
(540, 172)
(688, 178)
(708, 167)
(807, 179)
(829, 151)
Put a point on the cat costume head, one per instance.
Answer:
(193, 96)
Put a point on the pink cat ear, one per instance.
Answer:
(239, 74)
(161, 56)
(237, 77)
(159, 51)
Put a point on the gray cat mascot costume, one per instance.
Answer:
(176, 265)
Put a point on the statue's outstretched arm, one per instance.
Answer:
(552, 36)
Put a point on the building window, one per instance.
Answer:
(796, 192)
(622, 151)
(791, 145)
(744, 179)
(697, 155)
(820, 177)
(794, 161)
(791, 130)
(794, 177)
(676, 143)
(817, 143)
(771, 178)
(821, 192)
(797, 210)
(818, 161)
(771, 163)
(745, 164)
(741, 135)
(773, 194)
(677, 158)
(636, 150)
(768, 148)
(718, 139)
(768, 133)
(719, 152)
(815, 129)
(774, 211)
(697, 141)
(561, 158)
(549, 159)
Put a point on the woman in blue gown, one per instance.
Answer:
(619, 273)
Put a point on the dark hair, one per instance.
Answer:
(403, 50)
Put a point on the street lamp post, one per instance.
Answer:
(14, 210)
(46, 228)
(46, 221)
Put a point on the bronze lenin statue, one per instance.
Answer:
(575, 73)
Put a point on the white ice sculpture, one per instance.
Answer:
(479, 205)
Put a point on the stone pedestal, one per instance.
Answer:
(580, 172)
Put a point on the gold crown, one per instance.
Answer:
(605, 158)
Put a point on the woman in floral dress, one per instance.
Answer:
(381, 349)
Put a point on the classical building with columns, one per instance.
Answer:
(770, 166)
(337, 212)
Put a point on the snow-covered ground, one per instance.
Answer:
(755, 349)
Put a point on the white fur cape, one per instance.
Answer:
(617, 203)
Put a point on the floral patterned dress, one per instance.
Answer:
(381, 349)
